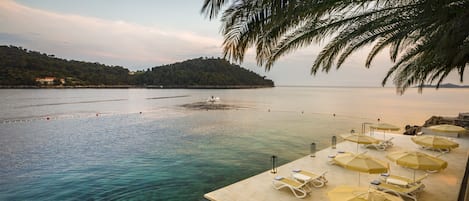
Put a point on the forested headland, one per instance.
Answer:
(20, 67)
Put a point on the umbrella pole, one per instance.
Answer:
(414, 175)
(359, 179)
(357, 142)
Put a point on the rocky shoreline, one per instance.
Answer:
(461, 120)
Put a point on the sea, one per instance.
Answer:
(144, 144)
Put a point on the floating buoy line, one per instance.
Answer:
(100, 114)
(61, 117)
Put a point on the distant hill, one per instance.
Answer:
(22, 67)
(447, 85)
(214, 72)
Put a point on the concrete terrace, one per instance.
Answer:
(444, 185)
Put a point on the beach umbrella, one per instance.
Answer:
(446, 128)
(417, 160)
(355, 193)
(435, 142)
(361, 163)
(384, 127)
(360, 139)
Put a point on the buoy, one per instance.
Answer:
(48, 118)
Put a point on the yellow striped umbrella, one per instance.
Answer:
(417, 160)
(361, 163)
(434, 142)
(355, 193)
(360, 139)
(446, 128)
(384, 127)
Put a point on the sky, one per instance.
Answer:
(147, 33)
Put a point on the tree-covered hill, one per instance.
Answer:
(202, 71)
(20, 66)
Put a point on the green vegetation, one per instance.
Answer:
(19, 66)
(202, 71)
(427, 39)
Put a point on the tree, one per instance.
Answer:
(427, 39)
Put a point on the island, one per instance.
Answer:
(22, 68)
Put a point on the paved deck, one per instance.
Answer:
(443, 185)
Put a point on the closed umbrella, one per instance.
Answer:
(434, 142)
(361, 163)
(355, 193)
(417, 160)
(446, 128)
(384, 127)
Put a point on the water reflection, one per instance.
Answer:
(144, 147)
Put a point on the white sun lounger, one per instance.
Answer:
(382, 145)
(316, 180)
(297, 188)
(410, 191)
(409, 181)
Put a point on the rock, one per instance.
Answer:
(437, 120)
(461, 120)
(412, 130)
(210, 106)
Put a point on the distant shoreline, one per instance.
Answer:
(139, 87)
(450, 86)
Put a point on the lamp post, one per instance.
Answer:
(334, 142)
(273, 159)
(313, 149)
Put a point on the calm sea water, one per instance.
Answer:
(138, 144)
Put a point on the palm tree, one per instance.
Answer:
(427, 39)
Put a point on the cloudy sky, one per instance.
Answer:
(147, 33)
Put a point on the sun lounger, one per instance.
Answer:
(409, 191)
(382, 145)
(418, 180)
(378, 146)
(316, 180)
(447, 150)
(330, 159)
(297, 188)
(388, 142)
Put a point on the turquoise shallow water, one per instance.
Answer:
(129, 156)
(168, 152)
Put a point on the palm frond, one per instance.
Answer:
(427, 39)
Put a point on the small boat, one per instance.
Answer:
(213, 99)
